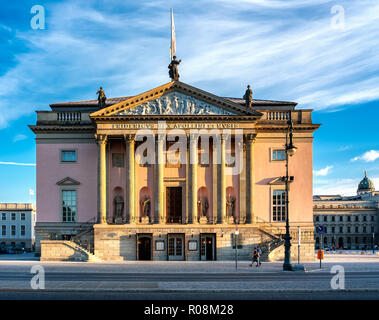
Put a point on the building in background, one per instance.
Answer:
(17, 221)
(94, 193)
(349, 222)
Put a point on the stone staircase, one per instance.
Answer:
(90, 257)
(84, 242)
(272, 241)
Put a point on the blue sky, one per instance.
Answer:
(286, 50)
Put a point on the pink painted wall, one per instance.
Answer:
(300, 166)
(50, 170)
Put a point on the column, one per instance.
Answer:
(250, 144)
(223, 181)
(102, 142)
(242, 184)
(215, 167)
(130, 171)
(159, 188)
(188, 184)
(193, 181)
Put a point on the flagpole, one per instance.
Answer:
(172, 14)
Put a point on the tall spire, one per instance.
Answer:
(173, 39)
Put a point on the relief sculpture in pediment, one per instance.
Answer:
(175, 104)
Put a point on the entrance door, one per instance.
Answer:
(174, 204)
(208, 247)
(176, 247)
(144, 248)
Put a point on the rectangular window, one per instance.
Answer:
(22, 216)
(279, 205)
(69, 205)
(356, 229)
(22, 230)
(3, 230)
(278, 155)
(117, 160)
(68, 156)
(13, 216)
(13, 231)
(3, 216)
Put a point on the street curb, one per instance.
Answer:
(150, 290)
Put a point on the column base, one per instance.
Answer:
(144, 220)
(203, 220)
(230, 220)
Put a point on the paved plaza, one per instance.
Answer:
(208, 279)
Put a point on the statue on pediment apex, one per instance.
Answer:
(173, 69)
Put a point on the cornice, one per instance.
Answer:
(154, 118)
(65, 128)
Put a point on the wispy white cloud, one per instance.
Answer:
(368, 156)
(288, 52)
(344, 148)
(345, 187)
(322, 172)
(17, 163)
(19, 137)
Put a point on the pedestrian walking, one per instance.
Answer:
(259, 252)
(253, 257)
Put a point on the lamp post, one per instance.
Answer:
(236, 233)
(290, 151)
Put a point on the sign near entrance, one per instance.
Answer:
(192, 245)
(159, 245)
(236, 238)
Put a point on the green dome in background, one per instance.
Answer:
(365, 185)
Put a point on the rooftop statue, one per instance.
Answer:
(173, 69)
(248, 96)
(101, 98)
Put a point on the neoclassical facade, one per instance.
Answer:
(350, 222)
(171, 174)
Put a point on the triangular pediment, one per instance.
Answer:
(175, 98)
(68, 182)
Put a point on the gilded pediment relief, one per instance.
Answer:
(175, 103)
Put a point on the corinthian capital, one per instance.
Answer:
(101, 138)
(251, 137)
(129, 137)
